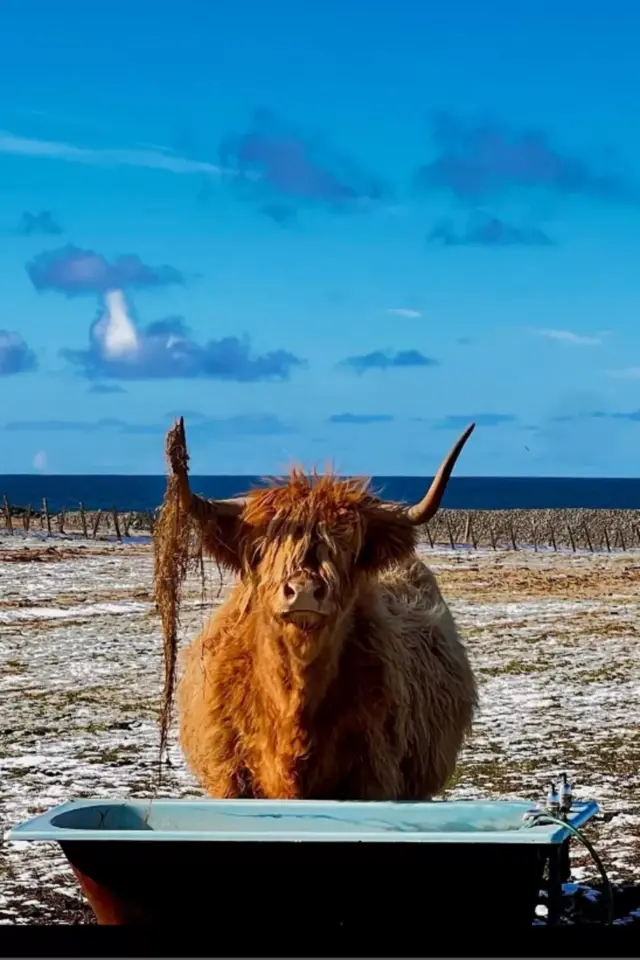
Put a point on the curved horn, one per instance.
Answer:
(176, 450)
(428, 506)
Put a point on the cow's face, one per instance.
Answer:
(310, 546)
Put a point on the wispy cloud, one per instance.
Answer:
(77, 272)
(567, 336)
(106, 388)
(357, 418)
(380, 360)
(457, 421)
(15, 355)
(632, 415)
(405, 312)
(477, 159)
(489, 232)
(224, 428)
(120, 349)
(34, 223)
(63, 426)
(156, 159)
(289, 163)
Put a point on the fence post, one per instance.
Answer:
(467, 528)
(114, 513)
(83, 520)
(588, 538)
(451, 540)
(472, 533)
(513, 536)
(7, 514)
(570, 531)
(26, 519)
(606, 539)
(96, 523)
(492, 535)
(45, 512)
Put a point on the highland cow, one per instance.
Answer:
(333, 670)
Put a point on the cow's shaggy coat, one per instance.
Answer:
(371, 702)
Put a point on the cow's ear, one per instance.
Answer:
(388, 538)
(226, 540)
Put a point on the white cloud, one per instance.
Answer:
(40, 460)
(115, 331)
(566, 336)
(404, 312)
(158, 158)
(628, 373)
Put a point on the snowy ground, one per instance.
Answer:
(552, 637)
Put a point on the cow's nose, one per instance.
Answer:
(303, 594)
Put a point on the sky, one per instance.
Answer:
(329, 233)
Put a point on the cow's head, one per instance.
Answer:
(303, 547)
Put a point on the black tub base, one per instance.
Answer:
(353, 888)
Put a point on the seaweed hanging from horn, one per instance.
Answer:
(175, 526)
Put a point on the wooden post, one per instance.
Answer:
(587, 537)
(570, 531)
(7, 514)
(606, 539)
(451, 540)
(83, 521)
(26, 519)
(637, 531)
(429, 536)
(96, 523)
(534, 534)
(45, 513)
(467, 528)
(513, 536)
(61, 520)
(552, 536)
(127, 523)
(471, 533)
(114, 514)
(492, 535)
(150, 516)
(621, 535)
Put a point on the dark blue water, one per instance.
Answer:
(467, 493)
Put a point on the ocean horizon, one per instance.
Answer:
(140, 492)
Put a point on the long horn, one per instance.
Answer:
(428, 506)
(176, 451)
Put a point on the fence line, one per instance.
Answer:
(577, 529)
(87, 523)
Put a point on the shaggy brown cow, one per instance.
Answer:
(334, 669)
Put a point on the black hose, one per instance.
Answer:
(543, 815)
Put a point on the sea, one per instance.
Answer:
(138, 493)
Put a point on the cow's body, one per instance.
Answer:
(334, 669)
(383, 721)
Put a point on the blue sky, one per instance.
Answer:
(323, 232)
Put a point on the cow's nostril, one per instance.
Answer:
(289, 592)
(319, 591)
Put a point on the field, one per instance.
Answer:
(552, 635)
